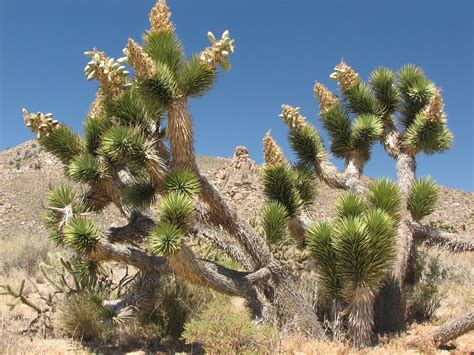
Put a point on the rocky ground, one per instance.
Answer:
(27, 172)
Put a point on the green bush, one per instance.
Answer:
(83, 317)
(176, 303)
(220, 329)
(24, 253)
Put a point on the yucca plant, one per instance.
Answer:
(422, 198)
(137, 153)
(353, 255)
(403, 111)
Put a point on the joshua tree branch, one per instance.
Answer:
(434, 236)
(448, 331)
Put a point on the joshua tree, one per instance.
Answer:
(404, 112)
(129, 158)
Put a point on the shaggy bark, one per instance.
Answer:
(352, 173)
(447, 331)
(181, 136)
(361, 318)
(328, 173)
(390, 301)
(337, 319)
(434, 236)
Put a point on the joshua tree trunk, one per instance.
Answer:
(390, 301)
(353, 172)
(361, 318)
(181, 136)
(448, 331)
(291, 304)
(337, 319)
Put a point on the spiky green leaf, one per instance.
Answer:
(416, 92)
(161, 89)
(130, 110)
(422, 198)
(196, 77)
(178, 209)
(349, 204)
(183, 181)
(361, 261)
(338, 123)
(320, 244)
(63, 143)
(165, 239)
(165, 48)
(279, 184)
(307, 144)
(305, 184)
(274, 221)
(56, 239)
(385, 195)
(61, 196)
(382, 83)
(366, 129)
(86, 168)
(427, 136)
(125, 145)
(94, 127)
(361, 100)
(140, 194)
(81, 234)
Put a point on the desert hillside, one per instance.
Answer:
(27, 172)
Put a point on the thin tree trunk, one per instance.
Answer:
(337, 320)
(361, 318)
(181, 137)
(391, 300)
(292, 304)
(353, 173)
(447, 331)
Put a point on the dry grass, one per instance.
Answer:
(23, 252)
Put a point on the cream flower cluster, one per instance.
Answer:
(219, 52)
(326, 99)
(272, 152)
(138, 59)
(345, 75)
(111, 73)
(40, 123)
(160, 18)
(292, 117)
(435, 109)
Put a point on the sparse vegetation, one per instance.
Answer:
(181, 263)
(221, 329)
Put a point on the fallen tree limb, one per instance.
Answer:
(434, 236)
(448, 331)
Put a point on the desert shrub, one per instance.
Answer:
(425, 298)
(443, 226)
(23, 252)
(176, 303)
(220, 329)
(83, 317)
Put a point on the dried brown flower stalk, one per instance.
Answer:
(325, 97)
(160, 18)
(139, 60)
(272, 152)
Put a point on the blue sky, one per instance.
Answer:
(282, 47)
